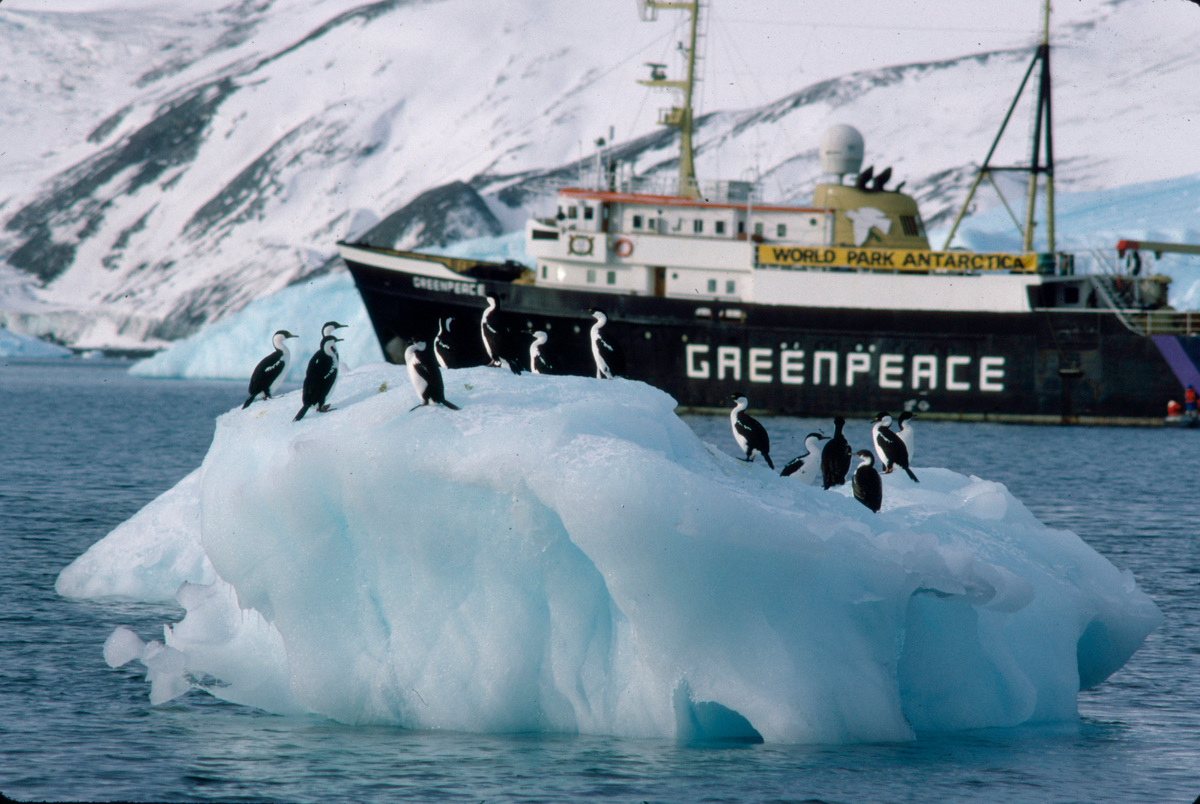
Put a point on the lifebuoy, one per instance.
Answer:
(623, 247)
(581, 250)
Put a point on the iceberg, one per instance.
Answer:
(25, 346)
(230, 348)
(564, 554)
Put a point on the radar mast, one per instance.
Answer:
(1042, 136)
(681, 116)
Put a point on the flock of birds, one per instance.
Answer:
(830, 463)
(830, 466)
(424, 370)
(319, 377)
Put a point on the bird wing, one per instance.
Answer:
(752, 429)
(893, 446)
(435, 389)
(318, 369)
(793, 466)
(266, 370)
(612, 355)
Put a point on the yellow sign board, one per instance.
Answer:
(894, 259)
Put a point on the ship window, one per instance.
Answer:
(741, 227)
(1070, 295)
(909, 224)
(758, 230)
(697, 226)
(572, 212)
(591, 276)
(588, 213)
(543, 270)
(712, 286)
(612, 277)
(781, 230)
(637, 221)
(720, 227)
(651, 225)
(730, 286)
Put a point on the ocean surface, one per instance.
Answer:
(83, 446)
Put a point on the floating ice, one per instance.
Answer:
(147, 557)
(231, 348)
(24, 346)
(565, 555)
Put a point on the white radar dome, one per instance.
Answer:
(841, 150)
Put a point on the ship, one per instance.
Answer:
(837, 307)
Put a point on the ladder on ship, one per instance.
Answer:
(1121, 290)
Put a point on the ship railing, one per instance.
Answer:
(1149, 322)
(720, 192)
(1121, 311)
(1163, 322)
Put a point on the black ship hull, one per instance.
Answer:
(1080, 366)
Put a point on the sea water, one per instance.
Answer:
(83, 446)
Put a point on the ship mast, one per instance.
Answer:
(1042, 137)
(679, 117)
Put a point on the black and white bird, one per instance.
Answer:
(608, 358)
(835, 457)
(270, 370)
(888, 446)
(750, 436)
(880, 181)
(443, 347)
(806, 467)
(906, 433)
(490, 330)
(539, 362)
(864, 178)
(868, 487)
(425, 376)
(319, 377)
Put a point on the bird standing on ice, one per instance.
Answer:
(889, 447)
(748, 433)
(906, 433)
(538, 364)
(835, 456)
(443, 349)
(490, 332)
(426, 377)
(868, 488)
(320, 377)
(270, 370)
(606, 355)
(806, 467)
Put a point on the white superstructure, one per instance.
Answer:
(859, 248)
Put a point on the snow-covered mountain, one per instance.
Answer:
(165, 164)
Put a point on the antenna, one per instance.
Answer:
(1042, 136)
(681, 116)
